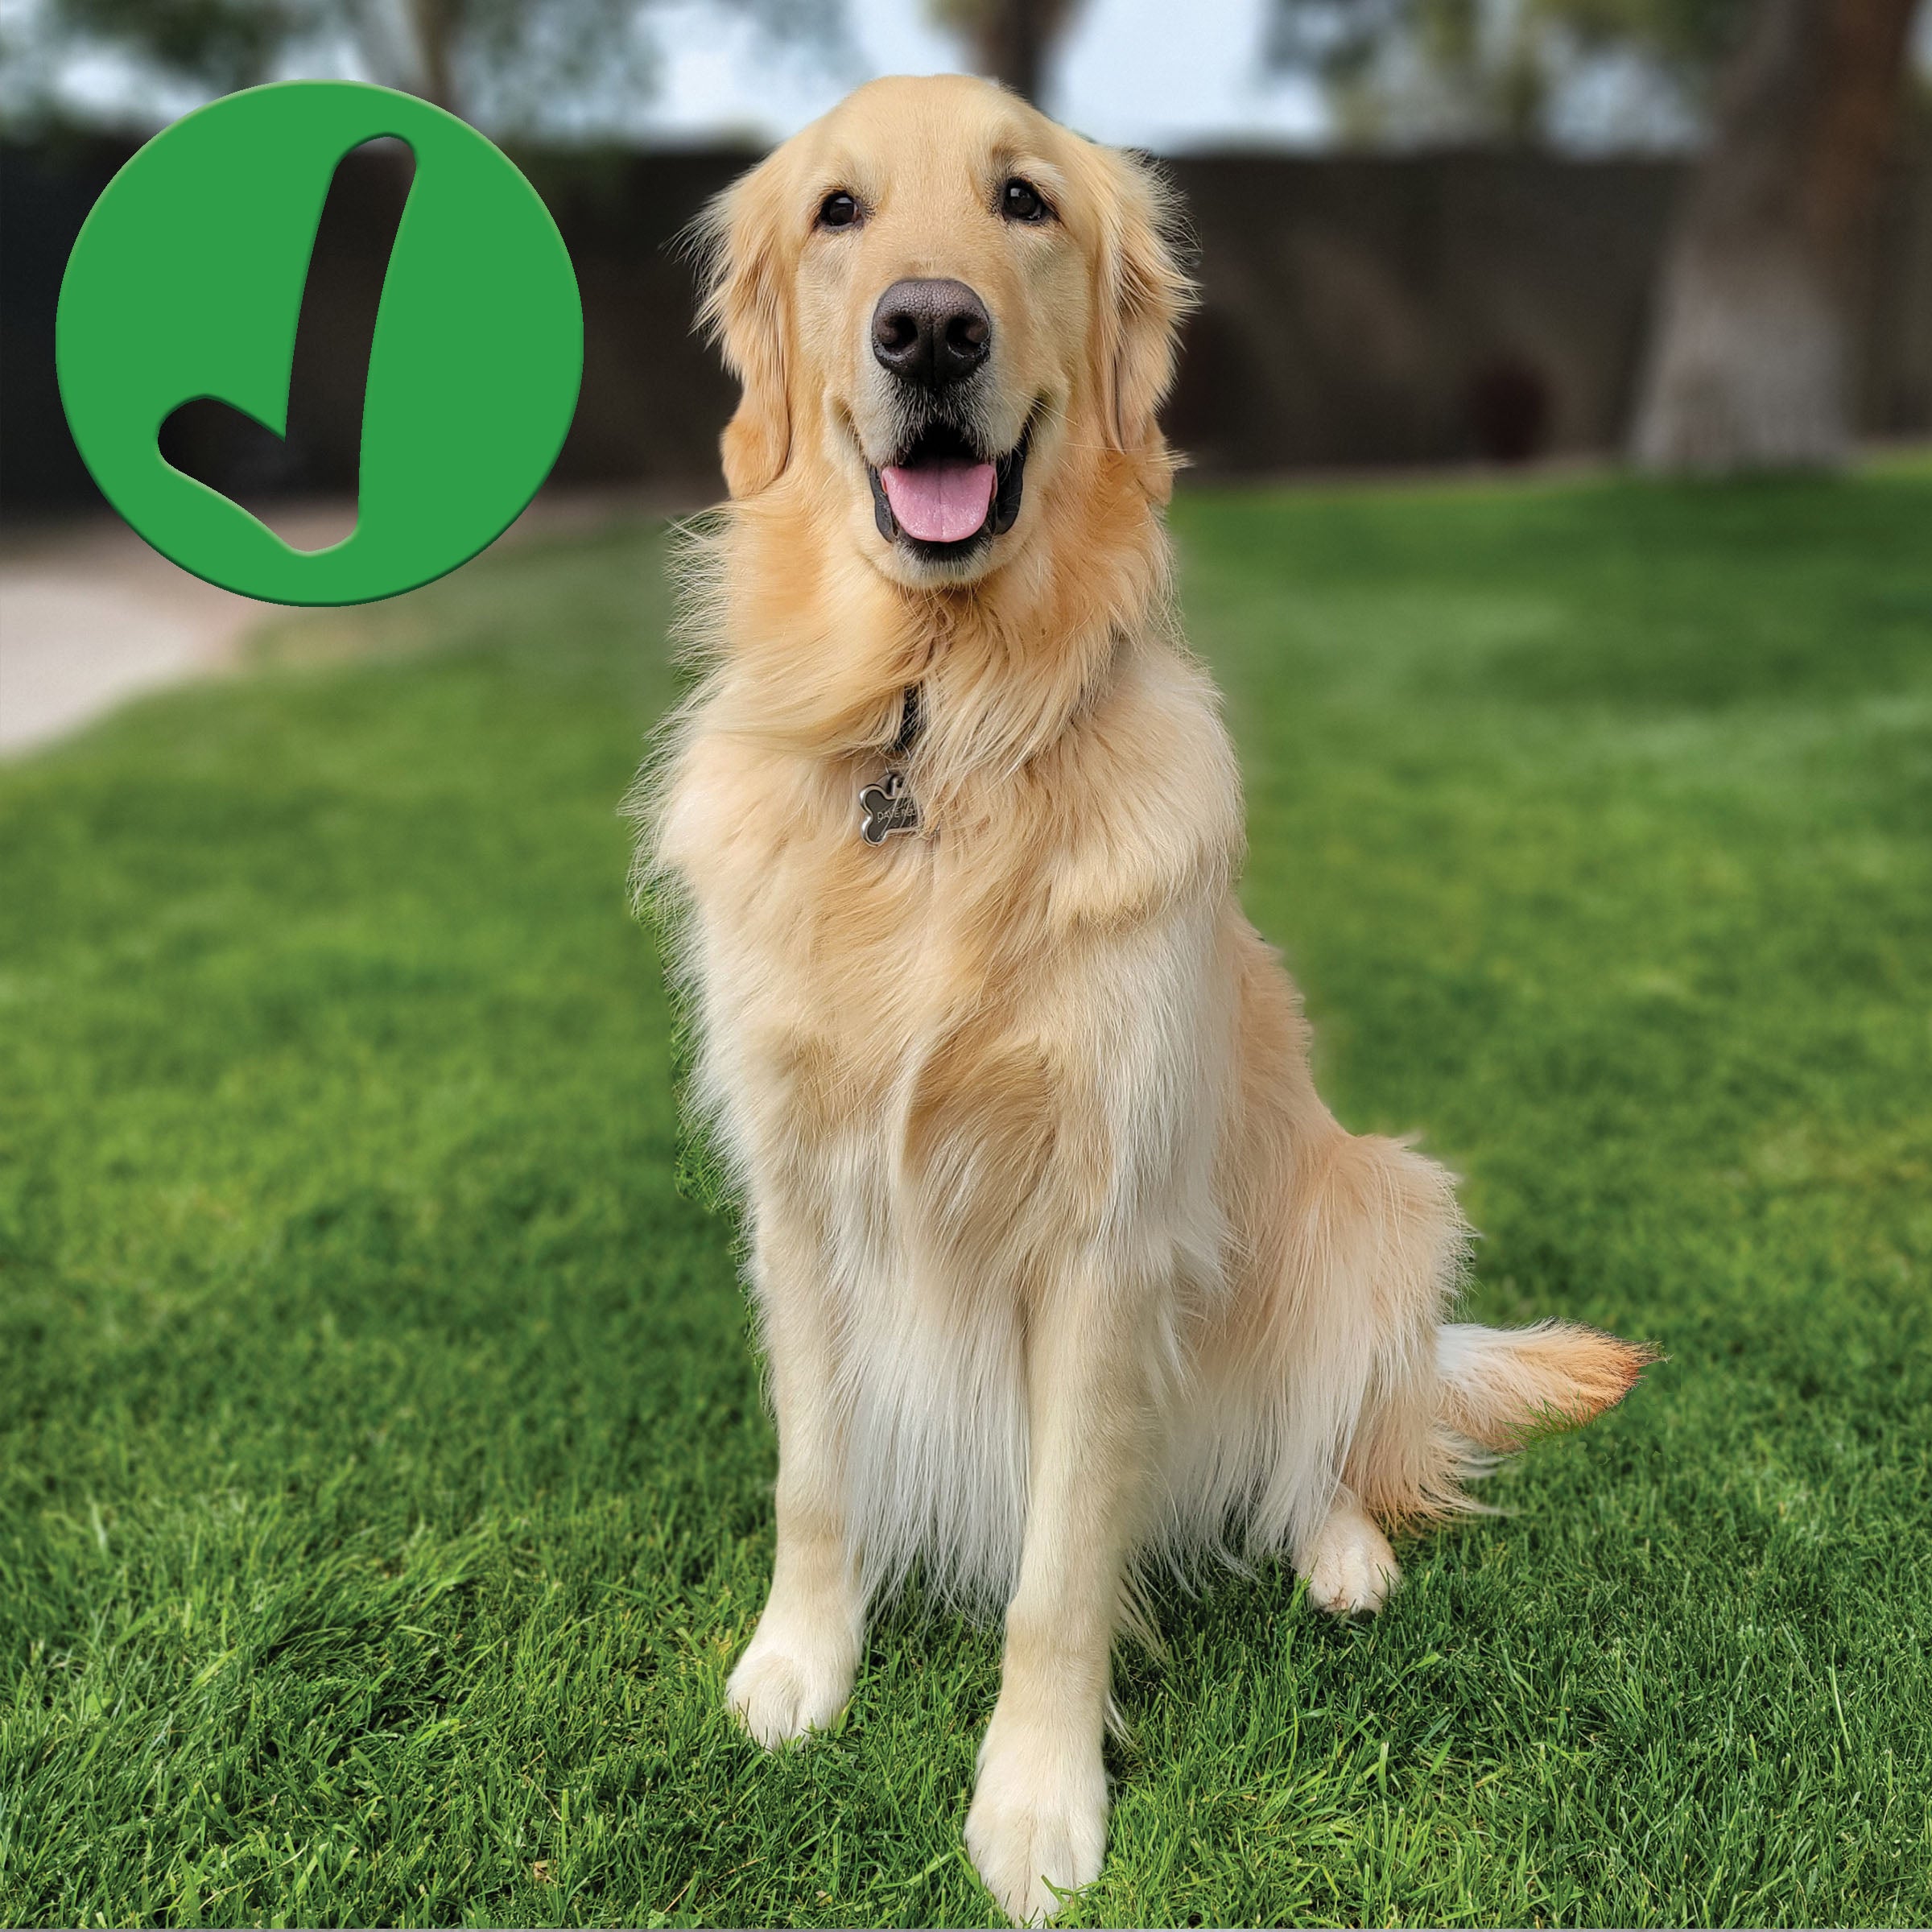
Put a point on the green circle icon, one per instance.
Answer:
(187, 281)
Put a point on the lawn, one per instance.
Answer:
(384, 1487)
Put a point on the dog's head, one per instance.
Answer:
(942, 307)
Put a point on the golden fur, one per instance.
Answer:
(1059, 1260)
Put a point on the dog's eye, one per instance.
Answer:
(1022, 201)
(838, 210)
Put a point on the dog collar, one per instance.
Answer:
(887, 805)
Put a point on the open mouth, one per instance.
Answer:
(942, 499)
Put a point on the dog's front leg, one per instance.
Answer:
(1038, 1819)
(796, 1672)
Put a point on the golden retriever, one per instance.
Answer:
(1061, 1265)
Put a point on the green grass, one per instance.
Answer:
(384, 1489)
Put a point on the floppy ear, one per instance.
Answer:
(1143, 294)
(744, 312)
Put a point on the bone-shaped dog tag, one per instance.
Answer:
(886, 807)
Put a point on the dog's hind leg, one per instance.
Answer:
(1371, 1252)
(1348, 1563)
(796, 1673)
(1404, 1466)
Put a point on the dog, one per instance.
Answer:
(1062, 1268)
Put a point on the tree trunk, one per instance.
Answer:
(431, 21)
(405, 44)
(1011, 39)
(1750, 358)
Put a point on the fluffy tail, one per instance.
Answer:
(1503, 1387)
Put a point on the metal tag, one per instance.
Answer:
(886, 807)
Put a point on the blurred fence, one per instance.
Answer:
(1420, 309)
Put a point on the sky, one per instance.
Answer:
(1164, 74)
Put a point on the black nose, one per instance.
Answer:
(931, 333)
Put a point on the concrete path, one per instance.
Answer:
(90, 616)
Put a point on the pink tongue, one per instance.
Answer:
(940, 502)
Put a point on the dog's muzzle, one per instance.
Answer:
(943, 493)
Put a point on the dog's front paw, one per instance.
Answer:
(788, 1682)
(1038, 1822)
(1350, 1567)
